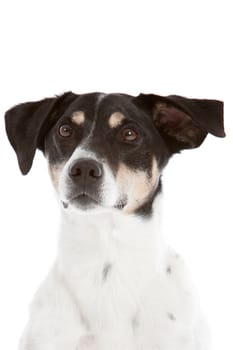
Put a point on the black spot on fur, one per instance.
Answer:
(65, 205)
(135, 323)
(106, 269)
(171, 316)
(169, 270)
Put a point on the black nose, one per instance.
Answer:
(85, 169)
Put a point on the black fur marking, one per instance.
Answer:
(84, 321)
(171, 316)
(60, 149)
(106, 270)
(135, 323)
(65, 205)
(169, 270)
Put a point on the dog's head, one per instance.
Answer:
(108, 151)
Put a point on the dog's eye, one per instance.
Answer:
(65, 130)
(129, 135)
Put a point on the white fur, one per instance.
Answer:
(114, 285)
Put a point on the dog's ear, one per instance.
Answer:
(182, 122)
(28, 123)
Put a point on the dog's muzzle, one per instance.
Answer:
(85, 177)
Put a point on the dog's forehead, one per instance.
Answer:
(108, 110)
(86, 104)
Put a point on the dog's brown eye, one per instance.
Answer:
(65, 131)
(129, 135)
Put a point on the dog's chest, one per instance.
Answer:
(122, 286)
(108, 281)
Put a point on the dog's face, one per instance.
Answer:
(107, 152)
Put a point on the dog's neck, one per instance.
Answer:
(107, 234)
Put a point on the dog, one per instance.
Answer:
(115, 284)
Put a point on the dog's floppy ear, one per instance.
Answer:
(183, 122)
(27, 124)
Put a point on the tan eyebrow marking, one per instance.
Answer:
(78, 117)
(116, 119)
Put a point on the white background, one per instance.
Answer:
(163, 47)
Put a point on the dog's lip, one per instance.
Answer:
(82, 199)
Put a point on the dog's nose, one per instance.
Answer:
(85, 169)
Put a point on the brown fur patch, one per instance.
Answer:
(136, 185)
(116, 119)
(78, 117)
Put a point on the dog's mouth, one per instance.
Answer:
(82, 201)
(85, 201)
